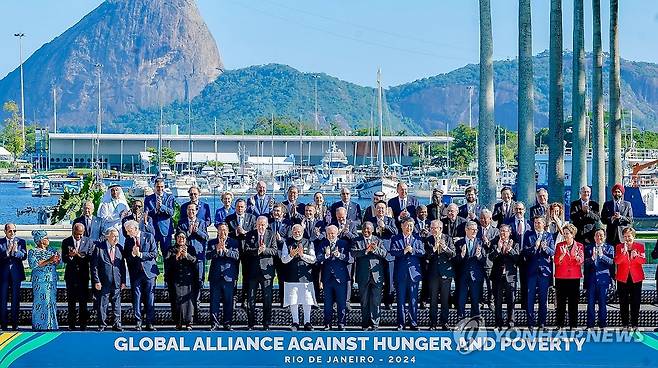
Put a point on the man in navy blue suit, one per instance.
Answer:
(519, 227)
(347, 230)
(223, 253)
(160, 208)
(260, 203)
(108, 273)
(203, 209)
(470, 211)
(334, 254)
(538, 249)
(92, 223)
(403, 205)
(141, 252)
(12, 254)
(599, 257)
(471, 256)
(260, 246)
(197, 235)
(76, 254)
(385, 229)
(137, 213)
(408, 251)
(353, 208)
(294, 209)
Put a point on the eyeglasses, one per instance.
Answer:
(10, 231)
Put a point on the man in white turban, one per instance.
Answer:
(112, 209)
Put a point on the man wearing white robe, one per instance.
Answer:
(112, 209)
(298, 257)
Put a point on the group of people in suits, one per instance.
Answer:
(396, 248)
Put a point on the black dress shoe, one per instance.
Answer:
(314, 307)
(308, 326)
(117, 328)
(102, 329)
(400, 327)
(326, 327)
(413, 328)
(138, 328)
(214, 328)
(341, 328)
(188, 327)
(432, 328)
(151, 328)
(266, 327)
(294, 327)
(250, 328)
(179, 327)
(348, 307)
(445, 327)
(14, 328)
(228, 328)
(83, 328)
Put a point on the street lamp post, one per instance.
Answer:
(100, 113)
(20, 36)
(470, 106)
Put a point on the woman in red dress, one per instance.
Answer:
(629, 258)
(569, 257)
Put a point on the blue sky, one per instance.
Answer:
(349, 39)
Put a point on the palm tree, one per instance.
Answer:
(555, 112)
(526, 177)
(598, 129)
(579, 153)
(614, 130)
(486, 126)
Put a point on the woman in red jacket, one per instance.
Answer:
(569, 256)
(629, 258)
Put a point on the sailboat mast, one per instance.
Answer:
(380, 148)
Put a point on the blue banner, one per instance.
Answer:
(511, 348)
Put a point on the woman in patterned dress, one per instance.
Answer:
(43, 261)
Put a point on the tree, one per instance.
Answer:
(486, 127)
(526, 169)
(555, 112)
(168, 156)
(12, 135)
(598, 126)
(614, 130)
(462, 148)
(579, 138)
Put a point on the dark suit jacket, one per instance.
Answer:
(539, 261)
(145, 265)
(12, 265)
(224, 264)
(353, 211)
(197, 239)
(334, 268)
(537, 210)
(463, 212)
(162, 218)
(110, 274)
(368, 214)
(454, 229)
(419, 226)
(77, 267)
(256, 208)
(407, 265)
(369, 266)
(515, 233)
(351, 230)
(504, 264)
(94, 231)
(299, 209)
(394, 203)
(386, 233)
(248, 225)
(203, 213)
(311, 234)
(283, 228)
(471, 266)
(436, 211)
(261, 265)
(584, 222)
(500, 216)
(440, 262)
(615, 227)
(598, 271)
(488, 238)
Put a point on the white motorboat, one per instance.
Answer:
(182, 185)
(41, 186)
(25, 181)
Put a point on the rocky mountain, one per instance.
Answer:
(241, 97)
(148, 50)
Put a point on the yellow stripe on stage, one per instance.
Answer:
(6, 337)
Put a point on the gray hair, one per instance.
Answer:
(486, 212)
(111, 230)
(131, 224)
(369, 225)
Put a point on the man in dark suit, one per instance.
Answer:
(519, 227)
(370, 256)
(503, 211)
(538, 250)
(385, 230)
(422, 231)
(137, 214)
(141, 253)
(599, 257)
(260, 203)
(439, 253)
(239, 224)
(197, 236)
(353, 208)
(92, 223)
(347, 230)
(76, 254)
(370, 211)
(488, 234)
(504, 255)
(160, 208)
(403, 205)
(541, 207)
(437, 209)
(223, 253)
(294, 209)
(454, 227)
(108, 273)
(13, 252)
(470, 211)
(471, 256)
(260, 246)
(314, 231)
(584, 215)
(617, 214)
(281, 227)
(333, 254)
(408, 251)
(203, 209)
